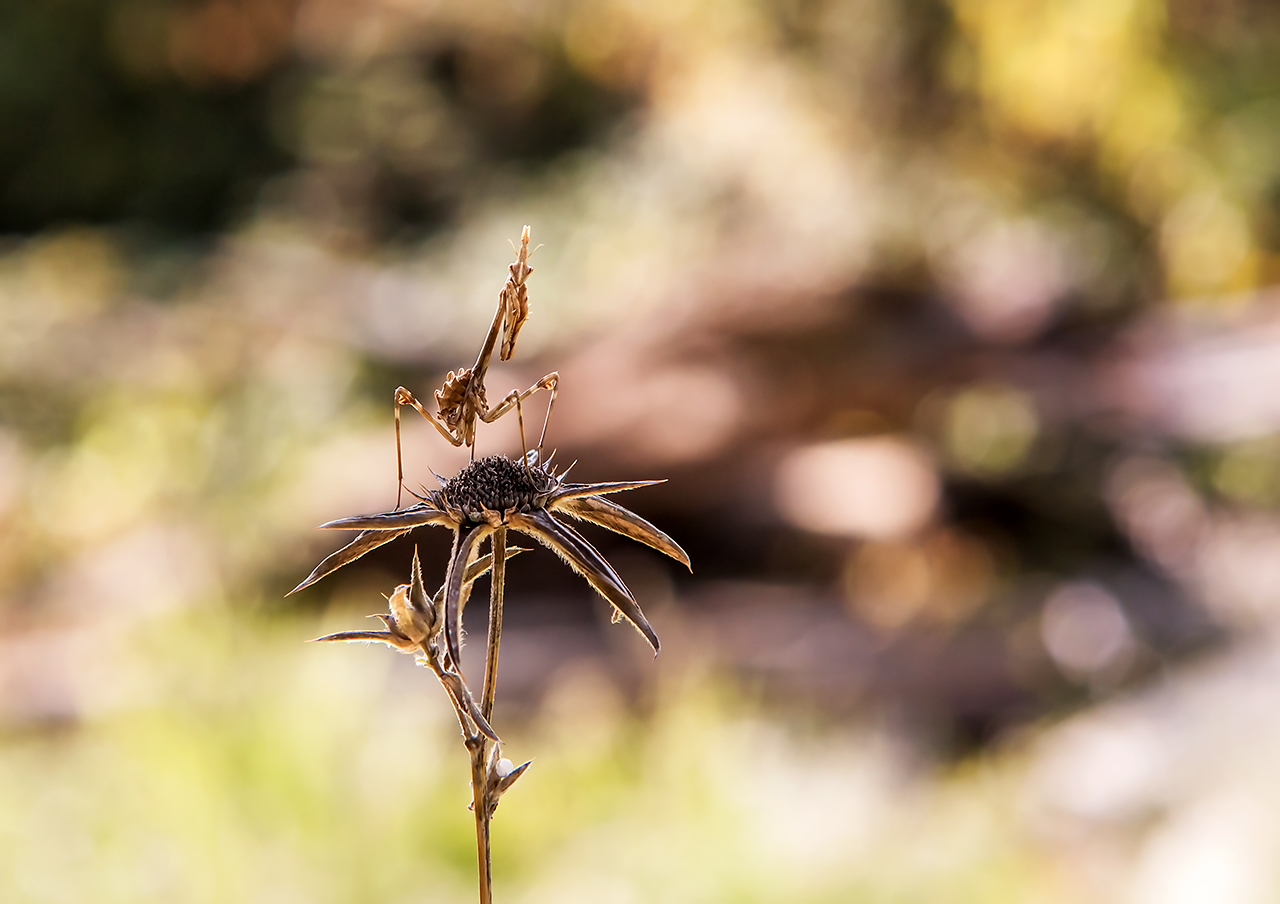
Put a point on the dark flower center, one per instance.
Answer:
(494, 483)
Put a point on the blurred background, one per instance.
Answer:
(949, 322)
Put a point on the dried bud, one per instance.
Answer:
(501, 774)
(407, 620)
(423, 605)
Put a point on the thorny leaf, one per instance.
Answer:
(393, 640)
(405, 519)
(583, 558)
(578, 490)
(608, 514)
(364, 542)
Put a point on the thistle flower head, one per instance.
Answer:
(525, 496)
(491, 489)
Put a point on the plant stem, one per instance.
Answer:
(497, 582)
(480, 803)
(479, 747)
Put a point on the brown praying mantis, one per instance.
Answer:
(461, 400)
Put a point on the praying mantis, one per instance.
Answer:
(461, 401)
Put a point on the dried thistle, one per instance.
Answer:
(484, 501)
(498, 493)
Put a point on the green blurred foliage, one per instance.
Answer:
(93, 129)
(262, 770)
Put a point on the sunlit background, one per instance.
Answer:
(950, 323)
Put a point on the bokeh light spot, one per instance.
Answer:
(990, 429)
(878, 488)
(1085, 630)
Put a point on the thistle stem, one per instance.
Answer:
(479, 748)
(480, 804)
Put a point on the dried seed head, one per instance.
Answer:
(495, 484)
(405, 618)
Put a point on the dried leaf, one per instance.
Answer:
(363, 543)
(577, 490)
(416, 516)
(394, 641)
(587, 561)
(611, 516)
